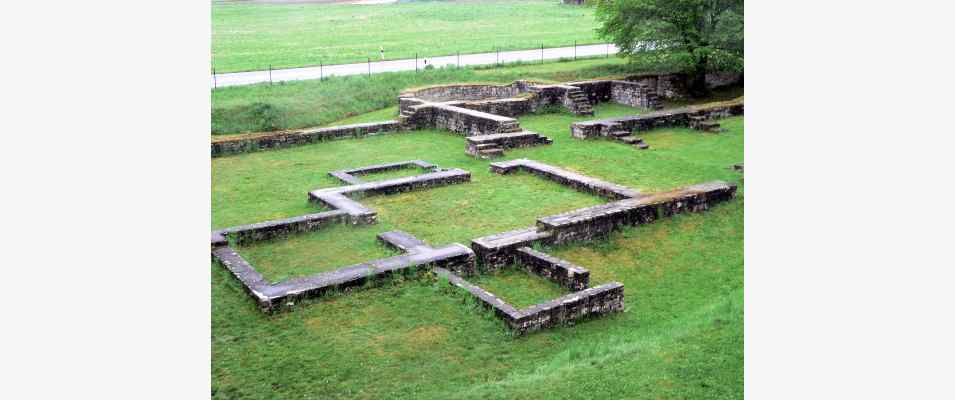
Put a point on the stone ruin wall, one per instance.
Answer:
(499, 100)
(513, 107)
(469, 122)
(466, 92)
(293, 138)
(660, 119)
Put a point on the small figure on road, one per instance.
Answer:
(381, 50)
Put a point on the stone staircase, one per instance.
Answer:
(628, 138)
(493, 145)
(704, 124)
(653, 100)
(510, 126)
(404, 116)
(581, 104)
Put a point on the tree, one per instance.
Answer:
(693, 36)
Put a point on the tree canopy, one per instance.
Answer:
(693, 36)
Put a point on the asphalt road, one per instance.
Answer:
(295, 74)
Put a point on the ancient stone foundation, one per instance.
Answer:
(680, 117)
(272, 297)
(276, 140)
(455, 261)
(474, 110)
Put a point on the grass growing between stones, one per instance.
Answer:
(518, 287)
(681, 335)
(252, 36)
(324, 250)
(392, 174)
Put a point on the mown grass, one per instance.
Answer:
(681, 335)
(252, 36)
(518, 287)
(301, 104)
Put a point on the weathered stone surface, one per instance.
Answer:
(564, 177)
(598, 221)
(280, 227)
(512, 107)
(403, 241)
(659, 119)
(251, 280)
(442, 93)
(247, 143)
(218, 239)
(283, 295)
(498, 250)
(501, 308)
(587, 303)
(471, 122)
(349, 175)
(480, 144)
(338, 198)
(562, 272)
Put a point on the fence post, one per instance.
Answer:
(214, 86)
(542, 52)
(416, 63)
(459, 59)
(270, 74)
(498, 56)
(321, 72)
(369, 67)
(608, 50)
(575, 50)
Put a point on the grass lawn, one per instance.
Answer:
(681, 335)
(249, 37)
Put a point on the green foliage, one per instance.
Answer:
(693, 36)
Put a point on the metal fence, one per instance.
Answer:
(496, 57)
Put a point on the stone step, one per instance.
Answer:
(483, 146)
(619, 133)
(630, 139)
(643, 146)
(493, 152)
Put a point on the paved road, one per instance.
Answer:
(294, 74)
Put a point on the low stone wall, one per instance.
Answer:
(465, 92)
(338, 198)
(513, 107)
(244, 144)
(567, 178)
(284, 295)
(633, 94)
(564, 310)
(561, 272)
(278, 228)
(598, 91)
(502, 141)
(598, 221)
(495, 251)
(471, 122)
(350, 176)
(679, 117)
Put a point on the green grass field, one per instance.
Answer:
(249, 37)
(681, 335)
